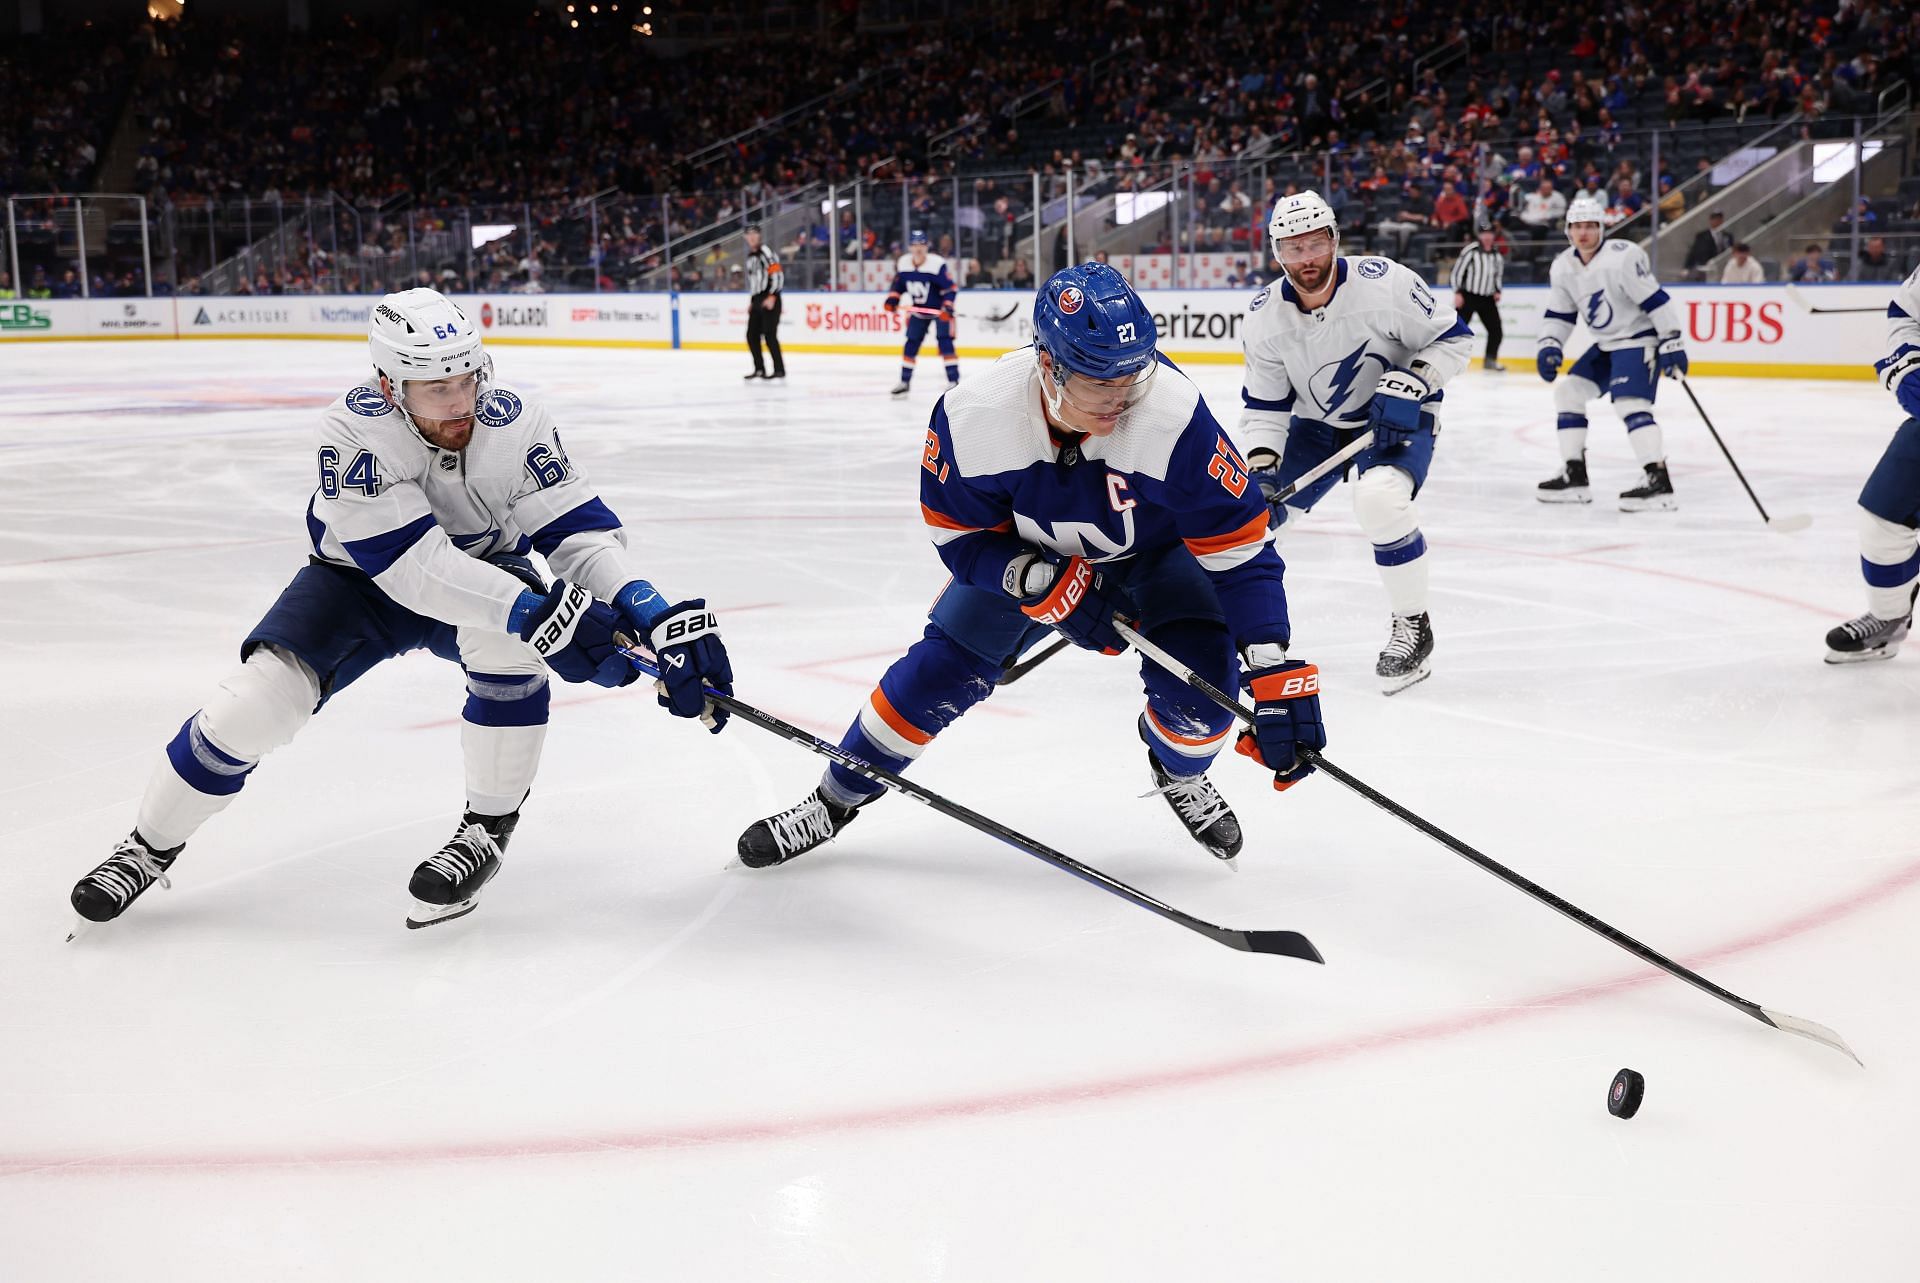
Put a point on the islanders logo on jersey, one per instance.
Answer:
(368, 402)
(498, 408)
(1071, 300)
(1337, 383)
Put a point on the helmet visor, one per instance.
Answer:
(1102, 398)
(442, 399)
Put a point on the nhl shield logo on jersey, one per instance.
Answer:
(368, 402)
(498, 408)
(1373, 268)
(1071, 300)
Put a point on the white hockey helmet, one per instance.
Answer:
(1298, 214)
(1587, 209)
(422, 335)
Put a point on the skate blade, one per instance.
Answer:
(427, 915)
(80, 927)
(1394, 685)
(1850, 657)
(1665, 503)
(1564, 496)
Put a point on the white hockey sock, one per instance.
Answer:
(501, 764)
(258, 708)
(1649, 443)
(1572, 436)
(1890, 563)
(1406, 583)
(1383, 504)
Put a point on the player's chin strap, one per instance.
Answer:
(1779, 1020)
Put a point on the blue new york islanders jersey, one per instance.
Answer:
(993, 484)
(929, 285)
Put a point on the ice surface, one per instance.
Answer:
(917, 1054)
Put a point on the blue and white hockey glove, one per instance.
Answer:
(1263, 465)
(1902, 378)
(1394, 412)
(1547, 361)
(573, 633)
(1286, 719)
(1067, 594)
(687, 641)
(1672, 356)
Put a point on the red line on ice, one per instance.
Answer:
(1000, 1104)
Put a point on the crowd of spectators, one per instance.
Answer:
(1419, 124)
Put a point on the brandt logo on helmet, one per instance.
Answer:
(486, 316)
(368, 403)
(1071, 300)
(499, 408)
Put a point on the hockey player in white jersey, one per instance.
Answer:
(1339, 347)
(1890, 502)
(434, 482)
(1636, 339)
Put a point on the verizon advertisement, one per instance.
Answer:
(1831, 331)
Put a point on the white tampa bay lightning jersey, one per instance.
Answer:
(1323, 364)
(1615, 294)
(1902, 360)
(421, 521)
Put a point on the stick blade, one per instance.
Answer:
(1789, 525)
(1814, 1030)
(1285, 944)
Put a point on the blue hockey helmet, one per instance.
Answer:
(1099, 339)
(918, 237)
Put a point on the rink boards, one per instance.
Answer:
(1764, 331)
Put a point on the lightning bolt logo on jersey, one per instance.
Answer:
(1334, 385)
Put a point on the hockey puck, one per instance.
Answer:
(1623, 1098)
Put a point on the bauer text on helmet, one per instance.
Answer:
(1097, 346)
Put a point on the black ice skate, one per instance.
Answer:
(1653, 494)
(105, 893)
(901, 389)
(1202, 811)
(1404, 661)
(757, 374)
(447, 883)
(1867, 637)
(1569, 487)
(795, 831)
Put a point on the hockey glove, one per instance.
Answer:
(687, 641)
(1071, 597)
(946, 316)
(1286, 719)
(1394, 412)
(574, 634)
(893, 303)
(1672, 358)
(1903, 380)
(1547, 361)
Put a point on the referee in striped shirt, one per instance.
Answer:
(1476, 289)
(763, 309)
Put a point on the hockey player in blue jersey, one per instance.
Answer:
(923, 280)
(1636, 339)
(435, 482)
(1070, 481)
(1340, 347)
(1890, 502)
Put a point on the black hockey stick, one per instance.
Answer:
(1800, 301)
(1779, 1020)
(1785, 525)
(1016, 671)
(1287, 944)
(1307, 478)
